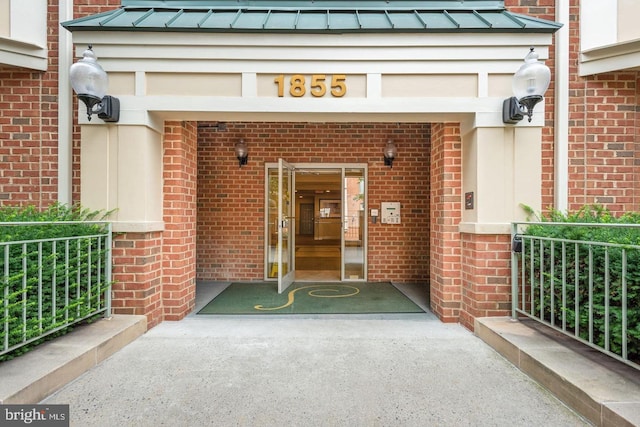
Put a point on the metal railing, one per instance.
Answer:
(50, 283)
(588, 290)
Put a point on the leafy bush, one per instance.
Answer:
(52, 274)
(552, 298)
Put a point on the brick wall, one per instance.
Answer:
(602, 134)
(231, 199)
(179, 236)
(446, 214)
(486, 277)
(29, 122)
(603, 151)
(28, 144)
(137, 275)
(16, 160)
(603, 127)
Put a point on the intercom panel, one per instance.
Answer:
(390, 212)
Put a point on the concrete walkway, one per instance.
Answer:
(374, 370)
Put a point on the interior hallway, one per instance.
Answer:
(317, 260)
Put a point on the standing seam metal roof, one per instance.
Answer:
(312, 16)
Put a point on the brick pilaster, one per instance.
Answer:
(486, 286)
(446, 208)
(137, 275)
(179, 210)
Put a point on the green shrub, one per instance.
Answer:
(545, 285)
(50, 277)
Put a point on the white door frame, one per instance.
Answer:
(342, 167)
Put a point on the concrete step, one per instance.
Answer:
(33, 376)
(603, 390)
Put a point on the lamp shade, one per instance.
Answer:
(241, 149)
(87, 76)
(532, 79)
(390, 150)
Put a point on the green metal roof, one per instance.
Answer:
(309, 16)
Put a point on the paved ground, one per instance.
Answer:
(394, 370)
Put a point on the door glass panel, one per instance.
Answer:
(286, 223)
(272, 224)
(354, 224)
(279, 225)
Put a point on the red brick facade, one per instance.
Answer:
(28, 137)
(29, 122)
(603, 126)
(138, 275)
(156, 271)
(446, 214)
(179, 236)
(486, 284)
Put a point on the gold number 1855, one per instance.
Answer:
(317, 88)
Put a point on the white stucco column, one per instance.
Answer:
(121, 171)
(65, 103)
(502, 168)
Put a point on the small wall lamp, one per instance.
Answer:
(390, 153)
(530, 83)
(242, 152)
(90, 82)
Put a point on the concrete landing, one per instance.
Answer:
(313, 371)
(602, 389)
(33, 376)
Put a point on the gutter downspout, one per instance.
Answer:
(65, 106)
(561, 119)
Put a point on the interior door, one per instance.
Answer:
(306, 219)
(286, 226)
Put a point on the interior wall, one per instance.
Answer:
(230, 227)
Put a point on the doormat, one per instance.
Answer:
(311, 298)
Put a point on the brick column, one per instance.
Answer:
(137, 272)
(446, 207)
(486, 276)
(636, 196)
(179, 215)
(154, 272)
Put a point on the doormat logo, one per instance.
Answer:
(34, 415)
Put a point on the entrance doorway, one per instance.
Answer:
(326, 223)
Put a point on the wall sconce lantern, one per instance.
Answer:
(530, 83)
(390, 153)
(90, 82)
(242, 152)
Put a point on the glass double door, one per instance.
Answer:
(315, 223)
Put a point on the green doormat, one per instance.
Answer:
(311, 298)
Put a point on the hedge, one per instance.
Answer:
(627, 237)
(57, 280)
